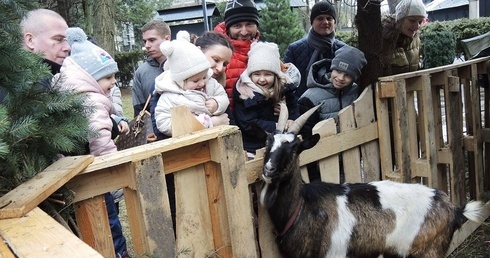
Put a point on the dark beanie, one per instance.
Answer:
(240, 10)
(323, 7)
(349, 60)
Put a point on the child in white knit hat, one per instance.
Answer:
(90, 70)
(187, 82)
(258, 92)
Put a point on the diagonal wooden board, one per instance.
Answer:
(30, 194)
(38, 235)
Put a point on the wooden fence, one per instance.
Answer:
(424, 127)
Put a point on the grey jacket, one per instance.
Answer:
(321, 91)
(143, 82)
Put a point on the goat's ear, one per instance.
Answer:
(309, 142)
(260, 133)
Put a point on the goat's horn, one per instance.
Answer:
(283, 117)
(300, 121)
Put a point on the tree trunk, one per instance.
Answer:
(104, 27)
(89, 18)
(63, 8)
(368, 22)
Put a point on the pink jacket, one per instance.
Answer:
(76, 78)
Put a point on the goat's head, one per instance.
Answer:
(283, 148)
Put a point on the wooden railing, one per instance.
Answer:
(410, 127)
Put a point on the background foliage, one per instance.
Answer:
(279, 24)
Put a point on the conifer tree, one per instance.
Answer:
(38, 121)
(279, 24)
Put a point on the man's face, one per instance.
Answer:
(323, 24)
(245, 30)
(50, 42)
(152, 41)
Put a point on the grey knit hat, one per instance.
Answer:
(184, 60)
(407, 8)
(240, 10)
(93, 59)
(349, 60)
(264, 56)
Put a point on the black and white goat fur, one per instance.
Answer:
(352, 220)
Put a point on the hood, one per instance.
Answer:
(319, 74)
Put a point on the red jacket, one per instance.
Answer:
(238, 62)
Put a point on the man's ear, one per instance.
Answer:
(167, 37)
(29, 41)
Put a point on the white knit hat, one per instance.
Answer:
(410, 8)
(264, 56)
(183, 35)
(93, 59)
(184, 59)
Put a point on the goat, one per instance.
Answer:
(322, 219)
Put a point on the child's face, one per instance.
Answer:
(196, 82)
(263, 78)
(340, 79)
(107, 82)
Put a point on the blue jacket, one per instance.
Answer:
(300, 52)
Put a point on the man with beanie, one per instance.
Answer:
(241, 27)
(401, 36)
(90, 70)
(319, 43)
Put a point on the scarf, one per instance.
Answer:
(320, 43)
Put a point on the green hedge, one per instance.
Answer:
(127, 63)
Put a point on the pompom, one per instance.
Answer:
(167, 48)
(75, 35)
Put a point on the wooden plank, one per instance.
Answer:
(194, 230)
(328, 146)
(429, 143)
(386, 89)
(89, 185)
(384, 139)
(218, 210)
(183, 122)
(38, 235)
(364, 114)
(351, 158)
(157, 148)
(432, 70)
(330, 166)
(467, 229)
(227, 151)
(401, 127)
(193, 217)
(153, 208)
(136, 222)
(186, 157)
(414, 123)
(30, 194)
(5, 251)
(93, 223)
